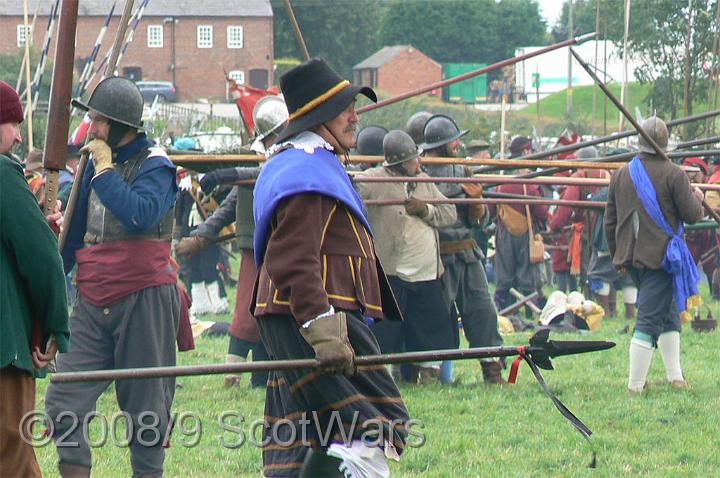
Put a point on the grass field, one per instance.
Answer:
(473, 430)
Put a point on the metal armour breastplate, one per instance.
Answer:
(244, 221)
(103, 226)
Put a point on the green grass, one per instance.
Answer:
(473, 430)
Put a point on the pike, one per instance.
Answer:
(85, 75)
(127, 17)
(497, 179)
(538, 355)
(522, 202)
(75, 191)
(637, 126)
(616, 137)
(540, 351)
(55, 153)
(622, 157)
(471, 74)
(40, 70)
(138, 17)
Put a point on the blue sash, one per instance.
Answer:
(678, 261)
(294, 171)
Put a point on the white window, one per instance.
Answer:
(22, 33)
(234, 37)
(238, 76)
(155, 36)
(204, 36)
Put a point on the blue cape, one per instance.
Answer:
(294, 171)
(678, 261)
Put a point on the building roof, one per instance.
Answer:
(380, 57)
(155, 8)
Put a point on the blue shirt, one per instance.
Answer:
(139, 205)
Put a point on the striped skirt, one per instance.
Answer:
(306, 409)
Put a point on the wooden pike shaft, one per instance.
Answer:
(187, 160)
(635, 124)
(213, 369)
(498, 179)
(75, 191)
(522, 202)
(55, 152)
(471, 74)
(28, 97)
(296, 27)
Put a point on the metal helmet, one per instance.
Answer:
(117, 99)
(440, 130)
(588, 152)
(269, 114)
(416, 125)
(398, 147)
(657, 130)
(369, 140)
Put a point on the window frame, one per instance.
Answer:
(210, 42)
(19, 31)
(156, 44)
(236, 45)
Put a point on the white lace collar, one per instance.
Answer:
(307, 141)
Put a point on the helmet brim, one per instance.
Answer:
(85, 107)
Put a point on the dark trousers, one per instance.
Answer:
(138, 331)
(202, 267)
(466, 286)
(657, 311)
(427, 325)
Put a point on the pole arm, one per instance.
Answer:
(541, 350)
(55, 153)
(471, 74)
(77, 183)
(637, 126)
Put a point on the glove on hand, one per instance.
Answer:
(219, 176)
(328, 336)
(190, 246)
(473, 190)
(416, 207)
(101, 155)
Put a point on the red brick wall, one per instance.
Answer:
(408, 70)
(199, 71)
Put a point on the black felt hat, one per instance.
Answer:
(315, 93)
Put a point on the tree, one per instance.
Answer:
(463, 31)
(340, 31)
(657, 34)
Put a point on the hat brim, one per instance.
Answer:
(85, 107)
(437, 144)
(325, 111)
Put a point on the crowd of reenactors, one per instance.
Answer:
(333, 254)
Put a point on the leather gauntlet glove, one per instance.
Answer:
(101, 155)
(416, 207)
(475, 191)
(189, 246)
(328, 336)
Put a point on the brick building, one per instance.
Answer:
(397, 69)
(189, 42)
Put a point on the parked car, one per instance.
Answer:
(164, 89)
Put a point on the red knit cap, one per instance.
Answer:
(10, 108)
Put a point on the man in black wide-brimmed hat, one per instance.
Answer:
(319, 283)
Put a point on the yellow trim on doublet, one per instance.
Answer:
(357, 234)
(319, 100)
(327, 224)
